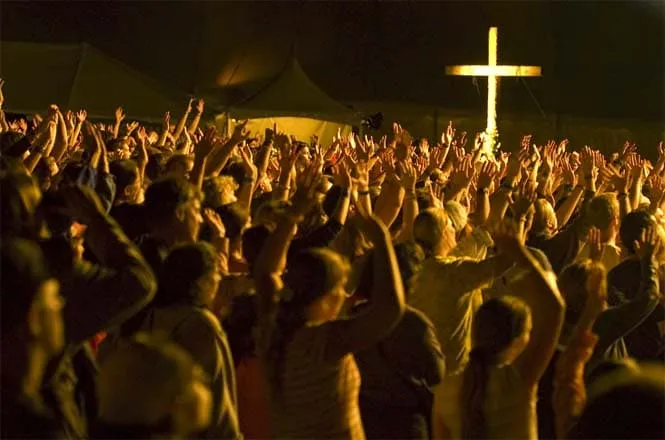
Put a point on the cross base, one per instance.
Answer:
(490, 144)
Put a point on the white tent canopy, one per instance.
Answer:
(297, 105)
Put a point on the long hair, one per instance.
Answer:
(310, 275)
(496, 324)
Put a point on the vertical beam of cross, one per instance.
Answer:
(492, 71)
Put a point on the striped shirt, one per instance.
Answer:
(319, 395)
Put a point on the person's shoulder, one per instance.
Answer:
(415, 319)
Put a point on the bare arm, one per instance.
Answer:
(409, 205)
(104, 295)
(386, 305)
(183, 120)
(198, 112)
(119, 117)
(389, 202)
(248, 185)
(61, 139)
(166, 125)
(547, 310)
(201, 153)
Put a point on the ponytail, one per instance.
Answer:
(496, 324)
(288, 320)
(473, 395)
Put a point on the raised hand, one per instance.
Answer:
(507, 240)
(478, 141)
(240, 133)
(305, 195)
(370, 225)
(166, 123)
(81, 115)
(462, 176)
(119, 115)
(526, 142)
(199, 106)
(207, 144)
(649, 244)
(657, 193)
(131, 126)
(248, 163)
(486, 175)
(448, 135)
(595, 244)
(463, 140)
(527, 197)
(341, 175)
(2, 96)
(408, 176)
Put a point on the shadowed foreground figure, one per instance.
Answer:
(151, 388)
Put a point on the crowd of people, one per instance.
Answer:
(179, 283)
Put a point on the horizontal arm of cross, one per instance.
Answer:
(478, 70)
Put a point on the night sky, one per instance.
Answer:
(600, 59)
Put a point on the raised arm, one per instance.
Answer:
(569, 397)
(547, 310)
(166, 126)
(183, 120)
(41, 146)
(410, 204)
(106, 295)
(119, 117)
(617, 322)
(248, 185)
(272, 259)
(387, 301)
(221, 156)
(81, 116)
(201, 153)
(61, 139)
(485, 178)
(198, 112)
(388, 204)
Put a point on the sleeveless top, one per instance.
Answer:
(319, 395)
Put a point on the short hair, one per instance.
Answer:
(544, 217)
(142, 378)
(632, 226)
(428, 229)
(219, 191)
(164, 196)
(126, 174)
(611, 411)
(178, 157)
(236, 170)
(572, 282)
(23, 269)
(603, 210)
(182, 268)
(410, 257)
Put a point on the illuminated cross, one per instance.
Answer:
(492, 71)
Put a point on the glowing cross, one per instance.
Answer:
(492, 71)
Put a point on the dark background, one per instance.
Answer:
(600, 59)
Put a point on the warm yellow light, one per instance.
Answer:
(471, 70)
